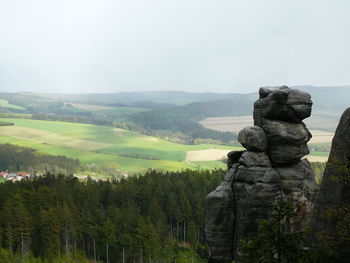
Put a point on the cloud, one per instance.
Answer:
(199, 45)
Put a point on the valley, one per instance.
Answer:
(321, 128)
(133, 132)
(126, 150)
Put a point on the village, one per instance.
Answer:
(15, 177)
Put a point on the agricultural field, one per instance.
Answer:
(231, 124)
(320, 127)
(318, 123)
(115, 112)
(119, 112)
(320, 137)
(90, 107)
(206, 155)
(5, 104)
(127, 150)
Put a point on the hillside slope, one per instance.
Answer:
(106, 146)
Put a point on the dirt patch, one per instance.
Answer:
(232, 124)
(118, 131)
(220, 154)
(320, 159)
(148, 138)
(22, 133)
(235, 124)
(207, 155)
(90, 107)
(321, 136)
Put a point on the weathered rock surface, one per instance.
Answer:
(299, 187)
(256, 190)
(271, 169)
(283, 132)
(279, 112)
(255, 159)
(233, 157)
(253, 138)
(332, 206)
(287, 153)
(219, 220)
(282, 103)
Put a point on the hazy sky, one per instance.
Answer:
(193, 45)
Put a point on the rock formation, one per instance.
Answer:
(331, 221)
(270, 169)
(256, 188)
(279, 112)
(220, 217)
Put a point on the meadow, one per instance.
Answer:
(115, 112)
(127, 150)
(321, 127)
(5, 104)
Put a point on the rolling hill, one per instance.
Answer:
(169, 111)
(129, 151)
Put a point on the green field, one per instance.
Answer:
(5, 104)
(115, 112)
(127, 150)
(118, 113)
(121, 111)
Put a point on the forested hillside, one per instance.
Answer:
(155, 217)
(15, 159)
(185, 118)
(167, 114)
(147, 99)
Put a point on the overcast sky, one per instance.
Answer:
(192, 45)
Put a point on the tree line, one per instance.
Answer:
(185, 119)
(173, 119)
(146, 218)
(18, 159)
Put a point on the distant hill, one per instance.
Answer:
(329, 103)
(106, 150)
(171, 109)
(146, 99)
(167, 114)
(333, 99)
(325, 98)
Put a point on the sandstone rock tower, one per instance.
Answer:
(270, 169)
(332, 206)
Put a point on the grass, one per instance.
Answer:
(186, 255)
(91, 144)
(108, 109)
(122, 110)
(208, 165)
(6, 104)
(120, 113)
(90, 107)
(128, 150)
(39, 136)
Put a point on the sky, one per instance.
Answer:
(76, 46)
